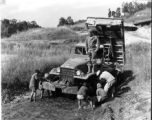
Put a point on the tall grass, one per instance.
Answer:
(17, 71)
(45, 34)
(34, 50)
(139, 61)
(79, 27)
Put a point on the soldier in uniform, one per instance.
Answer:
(92, 46)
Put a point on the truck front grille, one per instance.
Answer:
(67, 74)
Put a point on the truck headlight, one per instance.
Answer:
(58, 69)
(78, 73)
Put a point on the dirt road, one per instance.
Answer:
(66, 109)
(131, 38)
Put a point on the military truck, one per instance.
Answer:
(69, 77)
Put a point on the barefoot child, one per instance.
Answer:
(34, 84)
(83, 95)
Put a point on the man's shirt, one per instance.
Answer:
(92, 43)
(34, 80)
(106, 75)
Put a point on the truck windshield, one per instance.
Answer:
(78, 50)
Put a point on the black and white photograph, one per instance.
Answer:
(75, 59)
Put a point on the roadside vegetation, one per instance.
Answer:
(136, 103)
(144, 32)
(139, 61)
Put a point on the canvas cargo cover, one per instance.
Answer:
(103, 21)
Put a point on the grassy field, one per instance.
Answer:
(60, 33)
(34, 50)
(18, 70)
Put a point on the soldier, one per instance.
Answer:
(92, 46)
(34, 82)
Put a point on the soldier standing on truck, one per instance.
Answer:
(92, 46)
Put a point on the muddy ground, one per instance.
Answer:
(125, 106)
(60, 108)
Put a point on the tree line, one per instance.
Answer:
(129, 8)
(69, 21)
(9, 27)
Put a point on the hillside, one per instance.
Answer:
(144, 14)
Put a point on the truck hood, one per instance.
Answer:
(73, 62)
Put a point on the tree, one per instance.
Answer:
(109, 13)
(149, 4)
(125, 7)
(133, 7)
(118, 13)
(70, 20)
(62, 22)
(9, 27)
(13, 21)
(113, 14)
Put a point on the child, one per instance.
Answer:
(34, 84)
(83, 95)
(45, 79)
(101, 95)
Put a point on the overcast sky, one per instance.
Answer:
(47, 12)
